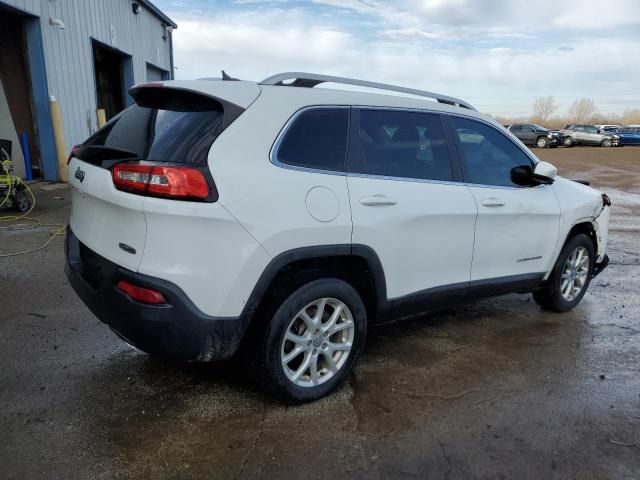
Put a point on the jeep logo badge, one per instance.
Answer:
(79, 174)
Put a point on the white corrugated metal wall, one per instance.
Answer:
(69, 56)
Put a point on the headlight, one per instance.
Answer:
(549, 135)
(616, 137)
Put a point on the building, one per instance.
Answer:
(84, 53)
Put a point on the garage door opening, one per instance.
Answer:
(156, 74)
(17, 119)
(114, 76)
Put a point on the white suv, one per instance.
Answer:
(283, 220)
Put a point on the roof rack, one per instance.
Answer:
(309, 80)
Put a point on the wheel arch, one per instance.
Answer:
(358, 265)
(584, 226)
(587, 228)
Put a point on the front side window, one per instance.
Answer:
(402, 144)
(487, 154)
(316, 139)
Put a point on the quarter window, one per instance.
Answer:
(402, 144)
(317, 139)
(487, 154)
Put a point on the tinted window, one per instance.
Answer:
(488, 155)
(317, 139)
(402, 144)
(179, 131)
(516, 128)
(527, 128)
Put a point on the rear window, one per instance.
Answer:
(175, 126)
(316, 139)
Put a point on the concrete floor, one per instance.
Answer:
(497, 389)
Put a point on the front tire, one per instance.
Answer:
(312, 341)
(567, 142)
(570, 277)
(542, 142)
(606, 142)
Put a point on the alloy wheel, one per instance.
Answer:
(317, 342)
(574, 274)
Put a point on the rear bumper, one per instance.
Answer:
(177, 329)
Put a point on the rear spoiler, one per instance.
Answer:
(169, 97)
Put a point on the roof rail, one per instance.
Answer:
(309, 80)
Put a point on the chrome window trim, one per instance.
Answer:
(273, 153)
(403, 179)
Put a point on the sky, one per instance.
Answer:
(498, 55)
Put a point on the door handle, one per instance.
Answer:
(377, 201)
(493, 202)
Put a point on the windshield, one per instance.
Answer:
(538, 127)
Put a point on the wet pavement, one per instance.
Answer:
(496, 389)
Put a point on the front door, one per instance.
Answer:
(409, 205)
(517, 227)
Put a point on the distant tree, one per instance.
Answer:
(543, 108)
(631, 117)
(582, 110)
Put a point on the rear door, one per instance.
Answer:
(592, 135)
(408, 204)
(517, 227)
(528, 135)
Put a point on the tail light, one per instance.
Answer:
(74, 150)
(161, 180)
(141, 294)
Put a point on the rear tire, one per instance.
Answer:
(570, 277)
(312, 341)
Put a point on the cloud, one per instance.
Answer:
(499, 59)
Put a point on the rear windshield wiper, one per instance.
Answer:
(95, 153)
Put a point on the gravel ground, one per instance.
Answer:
(495, 389)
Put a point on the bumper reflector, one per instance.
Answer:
(141, 294)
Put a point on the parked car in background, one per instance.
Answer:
(587, 135)
(629, 135)
(533, 134)
(608, 128)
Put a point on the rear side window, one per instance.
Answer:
(175, 127)
(316, 139)
(487, 154)
(402, 144)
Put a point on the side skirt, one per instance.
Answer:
(450, 295)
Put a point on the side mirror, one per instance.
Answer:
(526, 176)
(523, 175)
(545, 173)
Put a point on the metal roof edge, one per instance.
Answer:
(158, 13)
